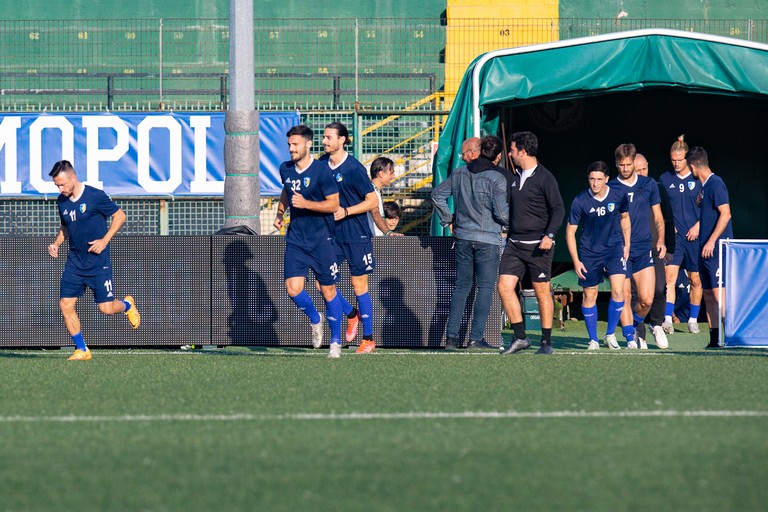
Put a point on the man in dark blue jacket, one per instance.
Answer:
(479, 191)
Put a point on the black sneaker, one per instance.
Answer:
(713, 344)
(480, 345)
(516, 346)
(451, 343)
(545, 348)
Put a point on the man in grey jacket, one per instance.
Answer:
(479, 191)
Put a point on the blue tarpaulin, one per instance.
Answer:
(746, 293)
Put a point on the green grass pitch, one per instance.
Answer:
(288, 429)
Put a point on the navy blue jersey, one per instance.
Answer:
(683, 194)
(600, 220)
(642, 193)
(354, 184)
(309, 228)
(714, 194)
(85, 220)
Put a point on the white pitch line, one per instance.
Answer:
(307, 352)
(415, 415)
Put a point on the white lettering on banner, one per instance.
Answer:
(127, 154)
(95, 154)
(67, 150)
(200, 183)
(8, 133)
(144, 162)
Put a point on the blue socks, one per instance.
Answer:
(637, 319)
(365, 304)
(614, 314)
(590, 319)
(366, 312)
(629, 332)
(333, 314)
(126, 304)
(346, 307)
(694, 312)
(669, 308)
(79, 341)
(304, 302)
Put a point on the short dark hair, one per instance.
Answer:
(340, 129)
(490, 147)
(379, 165)
(598, 166)
(392, 210)
(625, 151)
(61, 166)
(303, 130)
(527, 141)
(697, 156)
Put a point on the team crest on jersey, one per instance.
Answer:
(306, 182)
(691, 185)
(611, 207)
(338, 177)
(83, 207)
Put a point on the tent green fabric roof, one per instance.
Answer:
(618, 62)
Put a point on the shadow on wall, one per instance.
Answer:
(253, 313)
(399, 322)
(444, 271)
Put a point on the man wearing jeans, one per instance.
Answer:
(479, 191)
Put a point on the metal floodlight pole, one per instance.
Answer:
(242, 197)
(160, 51)
(722, 244)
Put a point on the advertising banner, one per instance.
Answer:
(132, 154)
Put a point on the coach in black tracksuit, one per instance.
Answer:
(536, 212)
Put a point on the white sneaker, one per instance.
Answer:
(632, 345)
(611, 343)
(693, 327)
(593, 345)
(642, 343)
(335, 351)
(668, 327)
(317, 333)
(660, 337)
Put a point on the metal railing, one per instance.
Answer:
(109, 91)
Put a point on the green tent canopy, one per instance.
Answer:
(591, 66)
